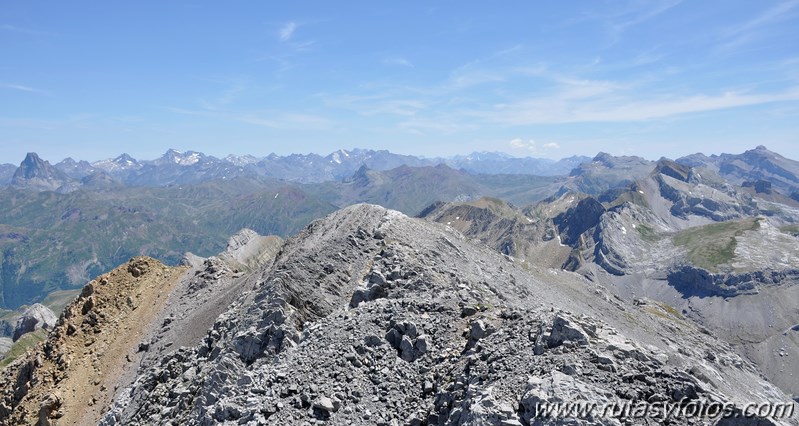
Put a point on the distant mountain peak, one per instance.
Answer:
(361, 176)
(122, 163)
(32, 157)
(181, 158)
(69, 161)
(125, 158)
(38, 174)
(603, 157)
(673, 169)
(338, 157)
(33, 166)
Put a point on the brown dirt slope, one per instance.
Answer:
(70, 378)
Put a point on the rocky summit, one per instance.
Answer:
(371, 317)
(366, 317)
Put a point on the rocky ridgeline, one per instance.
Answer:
(369, 317)
(70, 377)
(722, 255)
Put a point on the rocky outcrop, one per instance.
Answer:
(760, 186)
(247, 249)
(694, 281)
(5, 345)
(579, 219)
(701, 200)
(495, 223)
(35, 317)
(670, 168)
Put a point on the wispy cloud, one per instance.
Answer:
(576, 89)
(750, 30)
(436, 125)
(397, 102)
(79, 120)
(287, 31)
(643, 14)
(556, 109)
(282, 120)
(271, 119)
(485, 93)
(398, 61)
(531, 146)
(227, 97)
(619, 20)
(23, 88)
(21, 30)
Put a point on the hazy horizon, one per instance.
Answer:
(55, 160)
(660, 78)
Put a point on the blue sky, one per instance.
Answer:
(548, 79)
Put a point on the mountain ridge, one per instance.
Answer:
(718, 253)
(178, 167)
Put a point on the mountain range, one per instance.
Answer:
(180, 168)
(368, 317)
(725, 256)
(62, 224)
(700, 241)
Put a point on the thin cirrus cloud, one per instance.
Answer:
(287, 31)
(269, 119)
(402, 62)
(621, 19)
(20, 30)
(736, 36)
(23, 88)
(284, 120)
(532, 146)
(559, 111)
(652, 10)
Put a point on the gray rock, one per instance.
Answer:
(564, 330)
(325, 403)
(478, 330)
(406, 349)
(468, 311)
(35, 317)
(400, 359)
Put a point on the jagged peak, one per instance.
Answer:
(673, 169)
(361, 175)
(34, 167)
(602, 156)
(124, 157)
(32, 158)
